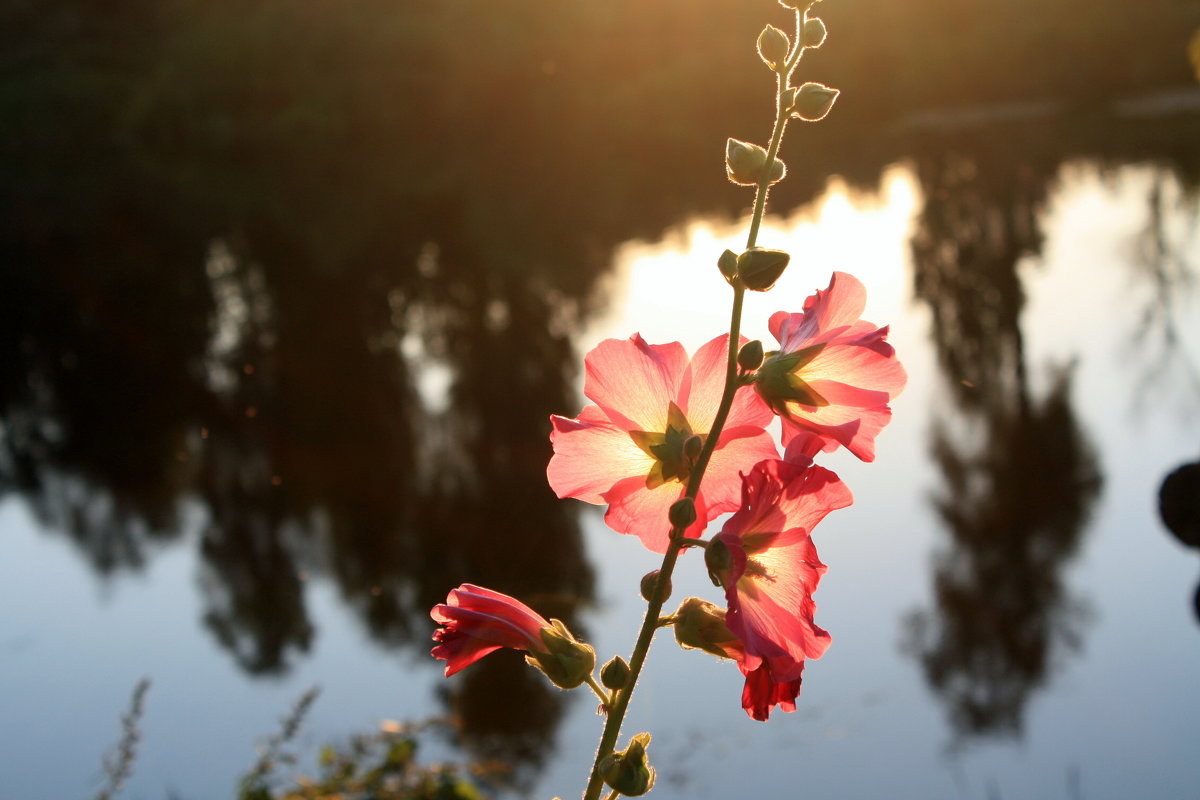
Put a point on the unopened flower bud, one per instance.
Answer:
(727, 263)
(692, 447)
(568, 662)
(759, 268)
(682, 513)
(750, 357)
(718, 560)
(745, 162)
(773, 47)
(700, 625)
(813, 32)
(627, 770)
(813, 101)
(650, 584)
(615, 674)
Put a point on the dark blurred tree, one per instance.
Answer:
(1019, 476)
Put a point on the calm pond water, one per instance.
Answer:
(1010, 617)
(277, 355)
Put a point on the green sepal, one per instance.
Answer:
(778, 380)
(567, 662)
(669, 449)
(627, 770)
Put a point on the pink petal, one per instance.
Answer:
(775, 620)
(634, 382)
(854, 429)
(827, 310)
(802, 448)
(591, 454)
(775, 568)
(459, 650)
(476, 621)
(704, 383)
(642, 512)
(738, 450)
(838, 369)
(761, 693)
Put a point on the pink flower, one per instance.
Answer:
(630, 449)
(477, 621)
(772, 568)
(834, 373)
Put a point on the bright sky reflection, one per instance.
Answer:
(1114, 718)
(670, 290)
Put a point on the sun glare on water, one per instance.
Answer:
(670, 290)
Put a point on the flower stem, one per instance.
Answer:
(598, 690)
(651, 621)
(782, 81)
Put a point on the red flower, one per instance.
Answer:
(834, 373)
(477, 621)
(762, 693)
(772, 567)
(631, 449)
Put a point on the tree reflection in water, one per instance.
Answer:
(1019, 478)
(239, 238)
(274, 395)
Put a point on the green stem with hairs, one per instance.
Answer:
(652, 620)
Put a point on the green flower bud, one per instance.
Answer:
(627, 770)
(718, 560)
(745, 162)
(750, 357)
(650, 583)
(813, 101)
(700, 625)
(682, 513)
(567, 662)
(778, 170)
(759, 268)
(773, 47)
(813, 32)
(615, 674)
(727, 263)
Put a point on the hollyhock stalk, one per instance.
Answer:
(650, 623)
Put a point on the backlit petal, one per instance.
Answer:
(591, 456)
(635, 382)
